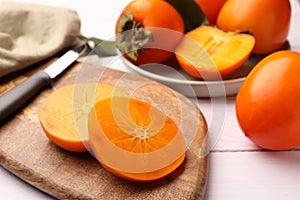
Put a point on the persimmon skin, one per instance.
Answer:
(146, 177)
(211, 9)
(165, 24)
(122, 140)
(149, 14)
(267, 20)
(267, 104)
(211, 54)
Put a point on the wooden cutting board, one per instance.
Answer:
(28, 153)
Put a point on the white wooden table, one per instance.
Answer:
(237, 168)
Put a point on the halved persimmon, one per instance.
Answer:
(134, 140)
(63, 115)
(209, 53)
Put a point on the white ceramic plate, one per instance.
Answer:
(180, 81)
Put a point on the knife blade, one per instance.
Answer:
(15, 98)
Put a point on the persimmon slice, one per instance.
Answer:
(134, 140)
(64, 113)
(209, 53)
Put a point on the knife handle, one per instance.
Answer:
(22, 93)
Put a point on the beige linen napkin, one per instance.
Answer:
(30, 33)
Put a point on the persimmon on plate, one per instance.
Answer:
(211, 8)
(63, 115)
(172, 75)
(147, 29)
(209, 53)
(268, 21)
(134, 140)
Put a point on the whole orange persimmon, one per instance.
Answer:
(210, 8)
(148, 31)
(267, 20)
(268, 102)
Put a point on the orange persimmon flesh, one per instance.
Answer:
(134, 140)
(63, 115)
(209, 53)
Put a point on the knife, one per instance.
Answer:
(22, 93)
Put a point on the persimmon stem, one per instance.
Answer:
(132, 37)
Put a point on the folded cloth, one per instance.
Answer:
(30, 33)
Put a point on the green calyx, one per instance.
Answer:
(133, 37)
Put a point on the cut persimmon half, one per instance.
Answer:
(134, 140)
(209, 53)
(64, 114)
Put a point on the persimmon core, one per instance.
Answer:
(214, 42)
(141, 133)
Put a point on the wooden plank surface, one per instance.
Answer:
(254, 175)
(27, 152)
